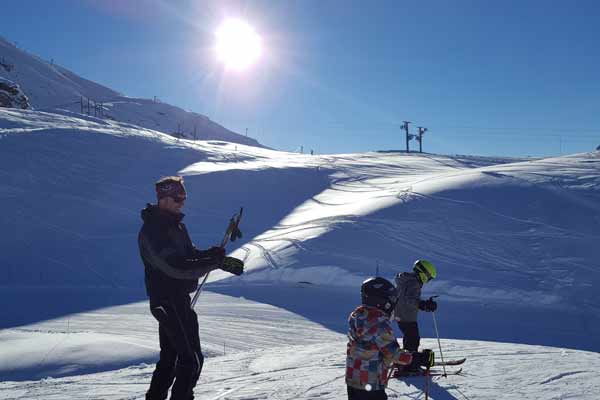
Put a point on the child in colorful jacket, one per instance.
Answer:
(372, 347)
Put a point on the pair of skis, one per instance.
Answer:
(435, 372)
(231, 233)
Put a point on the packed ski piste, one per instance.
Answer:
(373, 357)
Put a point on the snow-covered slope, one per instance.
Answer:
(51, 87)
(505, 236)
(256, 351)
(514, 242)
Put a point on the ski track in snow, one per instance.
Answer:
(562, 375)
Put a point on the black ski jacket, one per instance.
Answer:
(172, 263)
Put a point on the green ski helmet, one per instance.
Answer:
(425, 270)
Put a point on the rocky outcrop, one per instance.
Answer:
(12, 96)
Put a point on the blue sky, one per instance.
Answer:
(490, 78)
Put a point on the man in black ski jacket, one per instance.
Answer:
(172, 267)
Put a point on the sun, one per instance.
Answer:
(238, 45)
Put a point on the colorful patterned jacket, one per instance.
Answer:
(372, 348)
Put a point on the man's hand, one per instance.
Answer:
(233, 265)
(216, 251)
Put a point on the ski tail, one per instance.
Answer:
(447, 373)
(451, 362)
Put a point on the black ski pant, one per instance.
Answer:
(410, 340)
(181, 357)
(410, 335)
(358, 394)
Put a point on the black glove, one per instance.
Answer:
(233, 265)
(425, 358)
(236, 234)
(216, 251)
(213, 252)
(428, 305)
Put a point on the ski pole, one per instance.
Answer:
(389, 376)
(427, 379)
(233, 223)
(193, 303)
(437, 333)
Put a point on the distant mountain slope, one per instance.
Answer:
(47, 85)
(52, 88)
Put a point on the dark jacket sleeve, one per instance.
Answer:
(164, 258)
(197, 261)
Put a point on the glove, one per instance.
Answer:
(236, 234)
(405, 358)
(428, 305)
(215, 251)
(233, 265)
(425, 358)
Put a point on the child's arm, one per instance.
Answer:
(389, 347)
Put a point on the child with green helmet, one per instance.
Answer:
(408, 287)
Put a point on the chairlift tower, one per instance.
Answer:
(420, 137)
(405, 127)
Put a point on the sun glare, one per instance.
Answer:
(238, 45)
